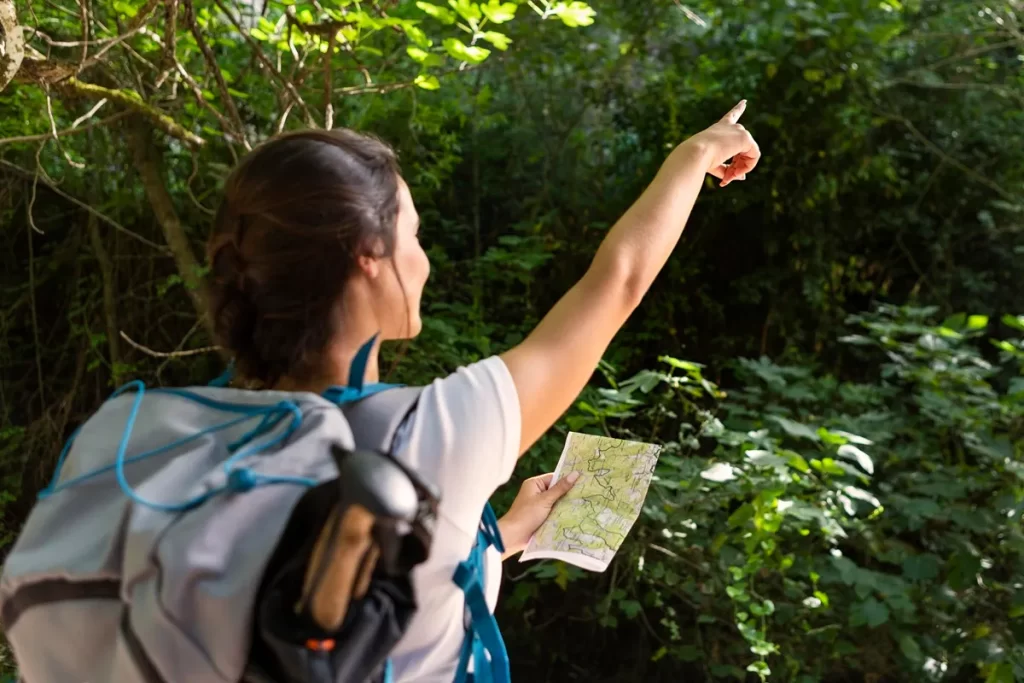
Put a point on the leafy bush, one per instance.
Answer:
(804, 528)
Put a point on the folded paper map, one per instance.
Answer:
(588, 525)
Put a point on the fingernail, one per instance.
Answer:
(573, 476)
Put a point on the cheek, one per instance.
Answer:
(419, 266)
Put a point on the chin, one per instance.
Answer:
(415, 327)
(409, 331)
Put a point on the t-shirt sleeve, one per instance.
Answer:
(464, 437)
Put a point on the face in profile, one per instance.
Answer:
(400, 281)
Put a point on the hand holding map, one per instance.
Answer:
(587, 526)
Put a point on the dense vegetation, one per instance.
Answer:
(833, 358)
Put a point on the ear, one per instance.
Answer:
(369, 265)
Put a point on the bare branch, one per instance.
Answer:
(690, 14)
(188, 187)
(212, 66)
(381, 88)
(974, 52)
(284, 116)
(17, 139)
(359, 65)
(197, 91)
(137, 22)
(53, 132)
(179, 347)
(83, 8)
(938, 85)
(328, 104)
(170, 30)
(79, 203)
(89, 114)
(167, 354)
(942, 154)
(32, 195)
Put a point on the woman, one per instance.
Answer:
(315, 251)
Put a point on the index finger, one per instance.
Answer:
(734, 114)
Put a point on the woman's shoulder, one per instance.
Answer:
(465, 430)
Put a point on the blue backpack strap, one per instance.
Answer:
(483, 637)
(356, 373)
(356, 388)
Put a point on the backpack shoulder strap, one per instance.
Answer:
(376, 419)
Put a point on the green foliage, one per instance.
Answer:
(835, 526)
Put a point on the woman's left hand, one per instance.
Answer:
(529, 510)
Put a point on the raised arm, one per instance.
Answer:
(553, 364)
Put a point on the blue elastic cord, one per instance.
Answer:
(53, 488)
(269, 422)
(343, 395)
(63, 456)
(389, 674)
(238, 479)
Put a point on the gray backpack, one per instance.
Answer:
(177, 542)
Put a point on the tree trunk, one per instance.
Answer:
(12, 43)
(148, 161)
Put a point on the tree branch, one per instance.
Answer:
(29, 175)
(328, 85)
(167, 354)
(148, 162)
(17, 139)
(137, 22)
(83, 8)
(131, 100)
(211, 64)
(170, 31)
(258, 51)
(942, 154)
(974, 52)
(197, 91)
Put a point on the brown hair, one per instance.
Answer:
(296, 214)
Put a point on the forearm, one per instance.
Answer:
(553, 364)
(637, 247)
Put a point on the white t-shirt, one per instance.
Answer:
(464, 436)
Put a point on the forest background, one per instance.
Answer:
(832, 357)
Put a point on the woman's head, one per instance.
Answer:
(313, 251)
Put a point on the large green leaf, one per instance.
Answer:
(574, 14)
(499, 12)
(442, 14)
(466, 53)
